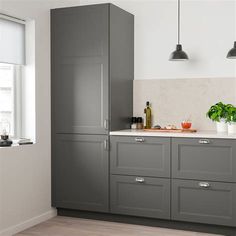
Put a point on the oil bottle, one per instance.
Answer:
(148, 112)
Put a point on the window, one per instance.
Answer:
(12, 57)
(10, 98)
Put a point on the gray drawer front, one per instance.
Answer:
(213, 205)
(209, 159)
(144, 156)
(150, 198)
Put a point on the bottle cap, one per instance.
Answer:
(147, 103)
(139, 120)
(134, 119)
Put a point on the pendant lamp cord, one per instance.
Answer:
(178, 21)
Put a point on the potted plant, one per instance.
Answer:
(231, 118)
(218, 114)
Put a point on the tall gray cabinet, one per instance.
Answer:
(92, 76)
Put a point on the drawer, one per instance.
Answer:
(140, 196)
(146, 156)
(204, 202)
(209, 159)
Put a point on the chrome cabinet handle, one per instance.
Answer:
(204, 141)
(106, 145)
(204, 185)
(106, 124)
(139, 179)
(139, 140)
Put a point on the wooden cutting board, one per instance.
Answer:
(172, 130)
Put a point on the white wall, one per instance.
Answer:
(208, 32)
(25, 188)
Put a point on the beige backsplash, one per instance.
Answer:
(173, 100)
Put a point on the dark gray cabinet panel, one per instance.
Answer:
(204, 202)
(80, 172)
(121, 67)
(82, 31)
(92, 62)
(81, 92)
(80, 69)
(140, 196)
(209, 159)
(146, 156)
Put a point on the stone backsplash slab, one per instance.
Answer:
(173, 100)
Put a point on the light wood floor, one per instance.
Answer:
(67, 226)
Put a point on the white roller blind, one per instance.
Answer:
(12, 42)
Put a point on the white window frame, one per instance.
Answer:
(17, 98)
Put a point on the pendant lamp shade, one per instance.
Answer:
(232, 52)
(178, 54)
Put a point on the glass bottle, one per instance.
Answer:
(148, 113)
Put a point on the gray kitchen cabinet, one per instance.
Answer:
(145, 156)
(80, 69)
(80, 172)
(140, 196)
(204, 202)
(209, 159)
(92, 69)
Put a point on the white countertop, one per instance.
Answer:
(198, 134)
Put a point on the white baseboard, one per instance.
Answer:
(28, 223)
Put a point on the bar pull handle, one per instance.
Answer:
(139, 140)
(204, 185)
(204, 141)
(106, 145)
(139, 180)
(106, 124)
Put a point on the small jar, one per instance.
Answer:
(134, 123)
(139, 123)
(186, 124)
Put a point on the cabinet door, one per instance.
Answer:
(204, 202)
(80, 172)
(80, 69)
(209, 159)
(146, 156)
(140, 196)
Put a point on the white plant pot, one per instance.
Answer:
(232, 128)
(221, 127)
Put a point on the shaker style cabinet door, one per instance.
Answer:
(204, 159)
(80, 172)
(80, 69)
(204, 202)
(145, 156)
(140, 196)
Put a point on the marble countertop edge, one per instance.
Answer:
(198, 134)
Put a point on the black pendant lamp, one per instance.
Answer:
(178, 54)
(232, 52)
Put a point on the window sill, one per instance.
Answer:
(16, 144)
